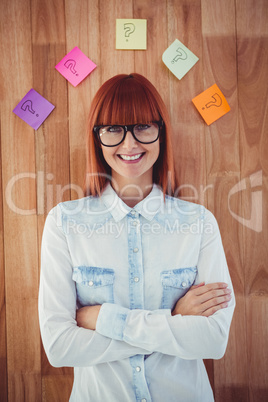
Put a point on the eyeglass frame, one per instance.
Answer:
(126, 128)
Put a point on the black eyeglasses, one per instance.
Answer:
(110, 136)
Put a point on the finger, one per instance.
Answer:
(210, 287)
(213, 295)
(216, 301)
(214, 309)
(197, 286)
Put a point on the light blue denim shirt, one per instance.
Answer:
(136, 263)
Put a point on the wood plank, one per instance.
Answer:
(51, 147)
(149, 62)
(223, 173)
(52, 138)
(231, 372)
(48, 22)
(3, 342)
(78, 16)
(184, 23)
(21, 274)
(252, 33)
(113, 61)
(56, 388)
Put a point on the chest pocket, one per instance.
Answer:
(94, 285)
(175, 284)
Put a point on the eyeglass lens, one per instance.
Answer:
(113, 135)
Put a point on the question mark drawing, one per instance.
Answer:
(70, 64)
(129, 29)
(28, 105)
(181, 56)
(216, 102)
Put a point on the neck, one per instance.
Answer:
(131, 191)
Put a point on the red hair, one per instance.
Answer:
(127, 99)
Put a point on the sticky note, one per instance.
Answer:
(179, 59)
(33, 109)
(75, 66)
(131, 34)
(211, 104)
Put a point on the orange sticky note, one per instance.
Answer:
(211, 104)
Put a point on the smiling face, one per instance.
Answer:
(128, 100)
(131, 161)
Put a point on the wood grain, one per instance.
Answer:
(223, 172)
(113, 61)
(184, 23)
(78, 16)
(149, 62)
(20, 228)
(252, 33)
(3, 343)
(223, 166)
(52, 138)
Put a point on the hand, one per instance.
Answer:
(203, 299)
(86, 317)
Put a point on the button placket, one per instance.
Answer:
(139, 379)
(136, 296)
(135, 262)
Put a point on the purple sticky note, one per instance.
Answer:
(75, 66)
(33, 109)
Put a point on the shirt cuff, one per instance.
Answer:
(111, 321)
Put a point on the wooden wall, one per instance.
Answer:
(41, 168)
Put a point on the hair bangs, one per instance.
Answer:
(128, 103)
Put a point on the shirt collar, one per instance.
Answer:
(148, 207)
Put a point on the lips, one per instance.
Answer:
(129, 158)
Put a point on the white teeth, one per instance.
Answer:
(130, 158)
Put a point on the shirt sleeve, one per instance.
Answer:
(64, 342)
(188, 337)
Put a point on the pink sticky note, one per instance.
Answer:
(75, 66)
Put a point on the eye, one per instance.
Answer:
(142, 127)
(114, 129)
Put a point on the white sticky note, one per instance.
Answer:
(179, 59)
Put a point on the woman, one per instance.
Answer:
(134, 290)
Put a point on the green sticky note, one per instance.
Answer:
(131, 34)
(179, 59)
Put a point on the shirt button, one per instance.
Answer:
(136, 250)
(132, 212)
(144, 400)
(136, 279)
(134, 223)
(90, 283)
(138, 369)
(184, 284)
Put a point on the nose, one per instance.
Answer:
(129, 141)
